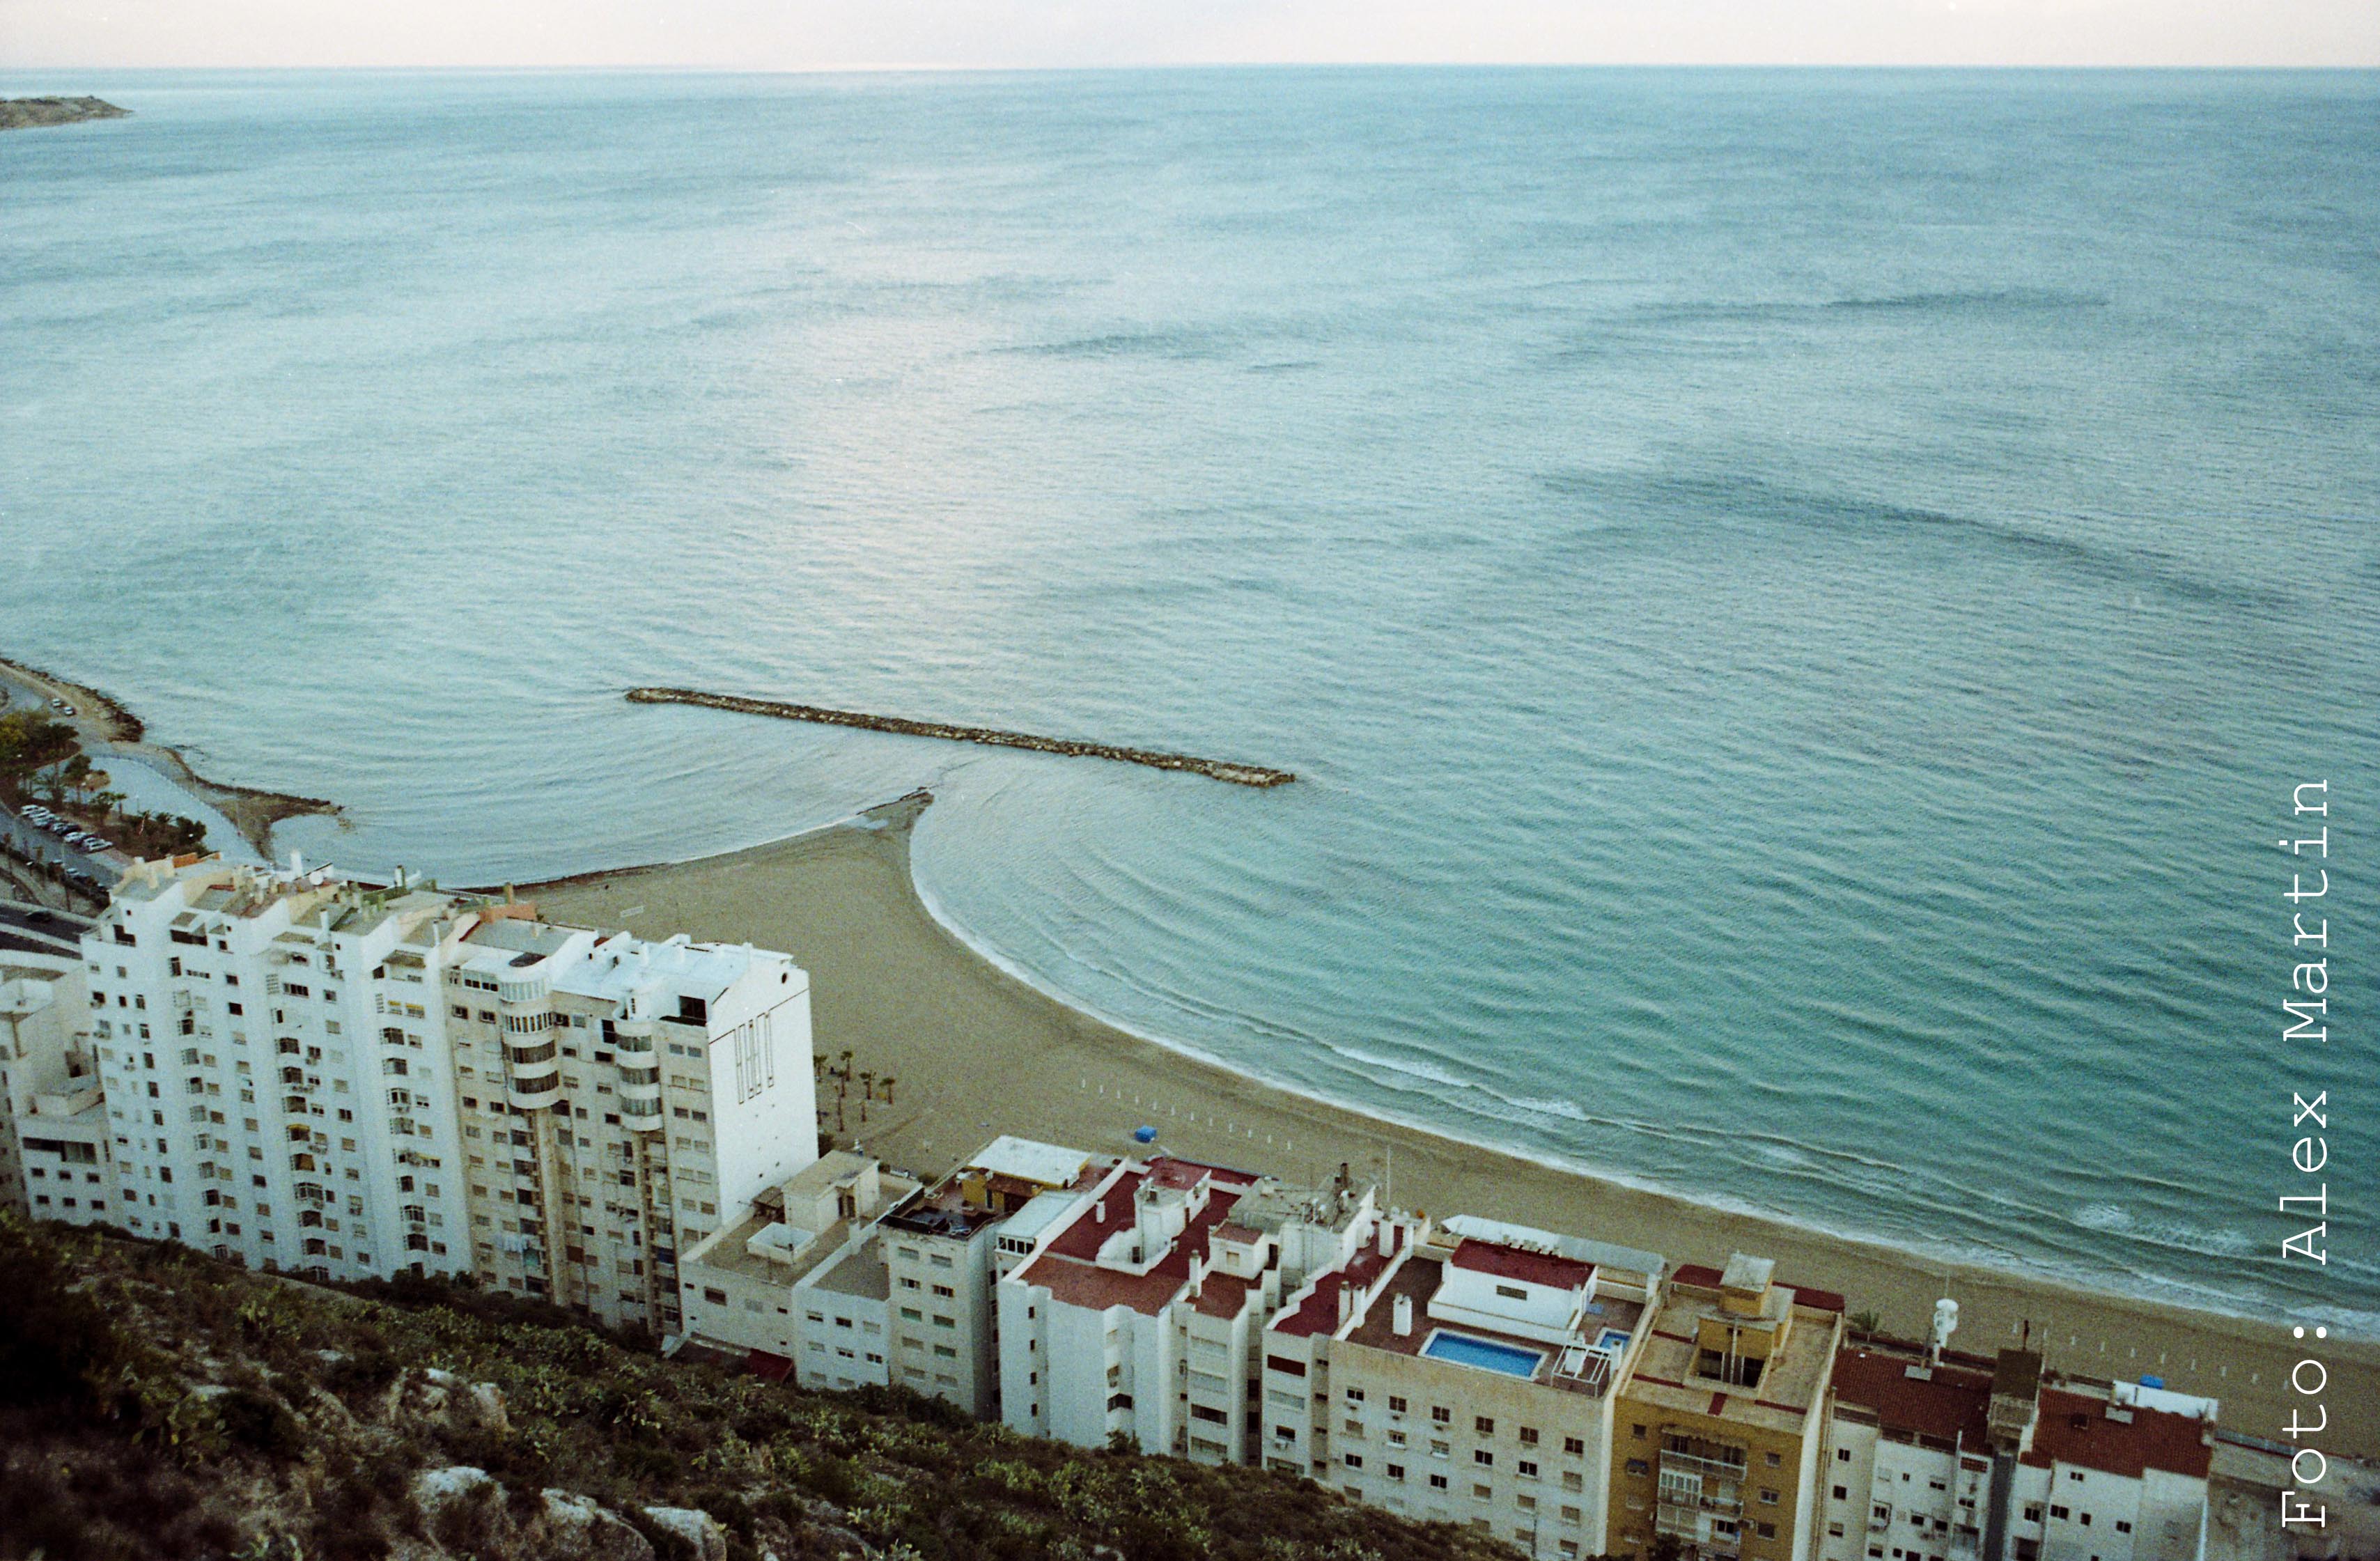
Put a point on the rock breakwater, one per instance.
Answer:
(1218, 769)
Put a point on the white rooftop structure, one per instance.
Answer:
(1027, 1160)
(1602, 1254)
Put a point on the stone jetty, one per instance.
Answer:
(1220, 769)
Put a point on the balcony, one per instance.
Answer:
(1721, 1468)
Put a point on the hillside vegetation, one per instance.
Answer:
(155, 1402)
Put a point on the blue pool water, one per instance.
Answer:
(1796, 598)
(1486, 1354)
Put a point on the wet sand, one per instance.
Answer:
(975, 1052)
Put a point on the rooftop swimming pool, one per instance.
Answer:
(1485, 1354)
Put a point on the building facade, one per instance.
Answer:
(312, 1073)
(1939, 1456)
(750, 1290)
(1721, 1425)
(621, 1101)
(1465, 1375)
(277, 1082)
(56, 1154)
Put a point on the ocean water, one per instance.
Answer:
(1797, 599)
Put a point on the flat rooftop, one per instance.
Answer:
(1418, 1280)
(1666, 1377)
(860, 1272)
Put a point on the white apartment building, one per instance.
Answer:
(277, 1083)
(310, 1072)
(1937, 1456)
(1466, 1376)
(620, 1101)
(943, 1255)
(55, 1160)
(1140, 1308)
(750, 1290)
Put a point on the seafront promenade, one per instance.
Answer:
(978, 1051)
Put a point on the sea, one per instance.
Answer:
(1798, 600)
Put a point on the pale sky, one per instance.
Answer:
(848, 34)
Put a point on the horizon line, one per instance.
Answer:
(710, 68)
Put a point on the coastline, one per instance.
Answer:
(977, 1049)
(105, 726)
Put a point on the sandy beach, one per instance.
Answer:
(976, 1052)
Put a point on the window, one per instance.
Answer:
(1396, 1405)
(1483, 1457)
(1441, 1415)
(1483, 1425)
(1842, 1455)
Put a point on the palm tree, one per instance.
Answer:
(867, 1084)
(887, 1089)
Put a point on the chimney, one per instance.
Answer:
(1346, 1302)
(1404, 1318)
(1386, 1237)
(296, 864)
(1100, 1210)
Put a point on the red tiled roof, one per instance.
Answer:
(2074, 1429)
(1227, 1231)
(1697, 1276)
(1066, 1267)
(1519, 1262)
(1951, 1405)
(1082, 1239)
(1223, 1294)
(1817, 1300)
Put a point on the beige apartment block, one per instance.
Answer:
(750, 1290)
(1467, 1375)
(1723, 1422)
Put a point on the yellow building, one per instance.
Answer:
(1722, 1423)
